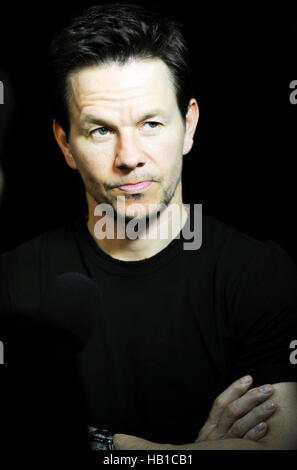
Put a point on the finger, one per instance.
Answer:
(256, 416)
(207, 430)
(235, 390)
(257, 432)
(232, 417)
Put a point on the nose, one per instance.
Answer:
(129, 155)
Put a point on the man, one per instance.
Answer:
(178, 328)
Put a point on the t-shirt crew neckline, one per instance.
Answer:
(113, 265)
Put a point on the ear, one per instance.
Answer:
(61, 139)
(191, 124)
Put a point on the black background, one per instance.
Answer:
(242, 166)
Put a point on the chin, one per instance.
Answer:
(142, 210)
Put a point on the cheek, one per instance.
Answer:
(88, 160)
(168, 153)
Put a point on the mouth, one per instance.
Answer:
(135, 187)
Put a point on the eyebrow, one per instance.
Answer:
(90, 119)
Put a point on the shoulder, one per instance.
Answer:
(27, 253)
(237, 253)
(27, 267)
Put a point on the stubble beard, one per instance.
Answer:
(167, 196)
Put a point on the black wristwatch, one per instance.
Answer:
(101, 439)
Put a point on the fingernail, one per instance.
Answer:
(269, 405)
(246, 379)
(265, 389)
(260, 427)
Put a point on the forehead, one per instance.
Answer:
(114, 86)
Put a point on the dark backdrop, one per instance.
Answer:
(242, 166)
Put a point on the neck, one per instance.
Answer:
(150, 240)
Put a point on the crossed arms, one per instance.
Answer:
(234, 419)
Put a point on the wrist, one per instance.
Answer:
(126, 442)
(116, 441)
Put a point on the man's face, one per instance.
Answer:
(126, 128)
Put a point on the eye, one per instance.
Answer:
(101, 130)
(153, 124)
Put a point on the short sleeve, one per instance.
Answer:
(262, 304)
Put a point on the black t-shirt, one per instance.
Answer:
(179, 327)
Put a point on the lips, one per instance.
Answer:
(135, 188)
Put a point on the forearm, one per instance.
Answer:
(124, 442)
(222, 444)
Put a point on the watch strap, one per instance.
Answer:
(101, 439)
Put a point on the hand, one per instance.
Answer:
(238, 413)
